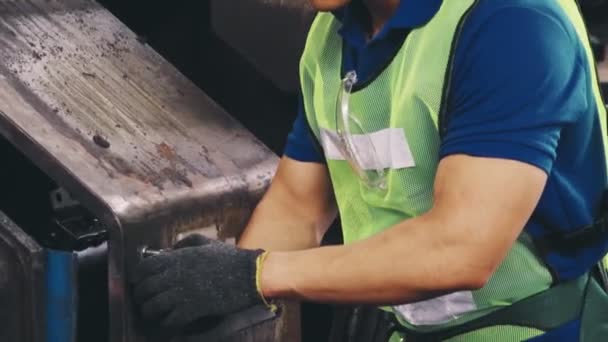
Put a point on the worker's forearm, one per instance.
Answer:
(385, 269)
(295, 212)
(457, 245)
(274, 226)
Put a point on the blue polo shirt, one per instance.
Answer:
(520, 90)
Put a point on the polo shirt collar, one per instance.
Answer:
(410, 14)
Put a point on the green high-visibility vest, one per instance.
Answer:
(400, 112)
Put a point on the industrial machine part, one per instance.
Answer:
(123, 151)
(270, 34)
(22, 266)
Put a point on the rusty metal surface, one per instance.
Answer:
(270, 34)
(22, 298)
(123, 131)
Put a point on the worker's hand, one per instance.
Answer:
(200, 278)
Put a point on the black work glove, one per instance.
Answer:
(200, 278)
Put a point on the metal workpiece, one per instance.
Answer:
(22, 262)
(124, 132)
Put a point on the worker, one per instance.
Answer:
(462, 143)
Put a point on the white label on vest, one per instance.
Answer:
(438, 310)
(390, 146)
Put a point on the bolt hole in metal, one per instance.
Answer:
(101, 141)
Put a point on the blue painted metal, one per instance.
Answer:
(61, 296)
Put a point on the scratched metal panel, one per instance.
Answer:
(129, 136)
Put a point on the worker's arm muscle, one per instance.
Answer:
(480, 208)
(295, 212)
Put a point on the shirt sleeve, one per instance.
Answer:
(518, 81)
(301, 144)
